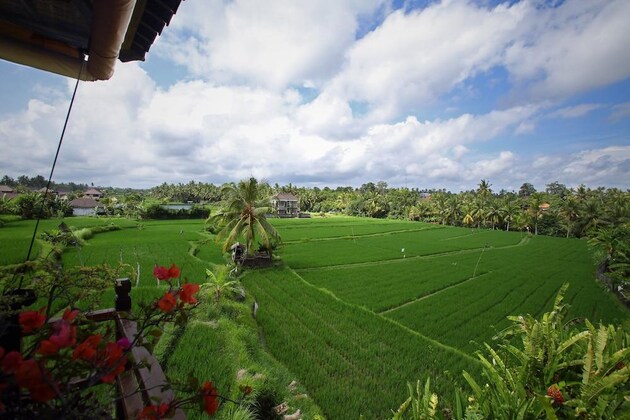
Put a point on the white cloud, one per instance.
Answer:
(283, 90)
(620, 111)
(415, 57)
(272, 43)
(576, 111)
(572, 48)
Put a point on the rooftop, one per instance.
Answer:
(57, 36)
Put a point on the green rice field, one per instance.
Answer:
(356, 308)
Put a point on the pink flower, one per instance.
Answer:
(124, 343)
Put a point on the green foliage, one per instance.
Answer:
(556, 371)
(422, 403)
(220, 282)
(244, 216)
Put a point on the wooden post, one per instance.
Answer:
(123, 300)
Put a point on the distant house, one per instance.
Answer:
(51, 193)
(544, 207)
(285, 205)
(85, 206)
(93, 193)
(7, 192)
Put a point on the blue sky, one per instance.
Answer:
(428, 94)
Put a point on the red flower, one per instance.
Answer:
(47, 348)
(64, 335)
(186, 294)
(167, 303)
(210, 400)
(69, 315)
(115, 371)
(113, 353)
(114, 361)
(11, 361)
(155, 412)
(173, 271)
(87, 349)
(161, 272)
(32, 320)
(31, 376)
(554, 392)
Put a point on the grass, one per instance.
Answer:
(350, 315)
(352, 360)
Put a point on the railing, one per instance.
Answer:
(137, 386)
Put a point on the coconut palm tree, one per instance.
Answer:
(244, 216)
(494, 213)
(509, 211)
(484, 190)
(569, 212)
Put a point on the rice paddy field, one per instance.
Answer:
(364, 306)
(356, 308)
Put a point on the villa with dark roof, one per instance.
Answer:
(285, 205)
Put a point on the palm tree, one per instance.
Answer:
(535, 211)
(484, 189)
(509, 211)
(570, 212)
(244, 216)
(494, 213)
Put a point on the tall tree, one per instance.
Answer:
(526, 190)
(244, 215)
(569, 212)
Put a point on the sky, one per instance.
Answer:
(419, 94)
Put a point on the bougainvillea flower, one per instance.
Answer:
(161, 272)
(31, 376)
(11, 361)
(167, 303)
(124, 343)
(32, 320)
(173, 271)
(210, 398)
(114, 371)
(69, 315)
(113, 353)
(155, 412)
(47, 348)
(186, 294)
(87, 349)
(64, 335)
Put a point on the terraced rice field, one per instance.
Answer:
(360, 307)
(355, 316)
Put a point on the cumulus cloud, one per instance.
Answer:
(414, 57)
(572, 48)
(272, 43)
(288, 91)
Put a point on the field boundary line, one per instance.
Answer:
(349, 237)
(459, 283)
(524, 241)
(409, 330)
